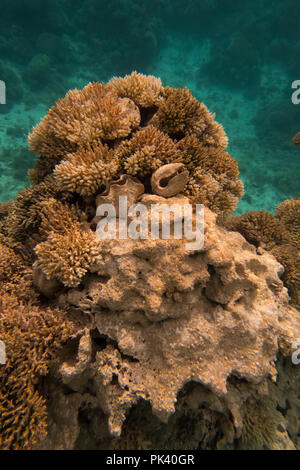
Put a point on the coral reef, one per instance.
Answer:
(176, 316)
(105, 334)
(288, 212)
(32, 336)
(278, 234)
(296, 139)
(180, 114)
(84, 117)
(145, 91)
(86, 170)
(133, 125)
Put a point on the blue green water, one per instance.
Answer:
(239, 58)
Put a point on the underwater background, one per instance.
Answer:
(239, 58)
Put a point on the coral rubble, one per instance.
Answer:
(105, 334)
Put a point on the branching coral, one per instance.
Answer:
(180, 114)
(58, 217)
(260, 228)
(146, 151)
(15, 275)
(32, 337)
(24, 214)
(264, 428)
(288, 212)
(144, 90)
(156, 315)
(278, 234)
(214, 176)
(86, 170)
(67, 257)
(96, 134)
(82, 118)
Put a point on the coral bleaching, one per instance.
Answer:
(144, 343)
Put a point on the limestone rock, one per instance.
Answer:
(173, 316)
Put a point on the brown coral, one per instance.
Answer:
(264, 428)
(288, 212)
(260, 228)
(15, 275)
(180, 114)
(278, 234)
(214, 176)
(157, 316)
(144, 90)
(147, 150)
(32, 337)
(296, 139)
(67, 257)
(71, 140)
(289, 257)
(86, 170)
(24, 214)
(82, 118)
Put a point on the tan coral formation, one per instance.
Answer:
(144, 343)
(86, 170)
(180, 114)
(176, 316)
(134, 125)
(144, 90)
(296, 139)
(84, 117)
(279, 234)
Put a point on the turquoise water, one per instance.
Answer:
(239, 58)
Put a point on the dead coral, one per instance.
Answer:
(181, 114)
(288, 212)
(32, 337)
(86, 170)
(67, 257)
(82, 118)
(173, 315)
(144, 90)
